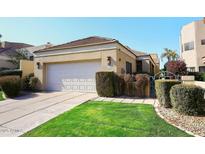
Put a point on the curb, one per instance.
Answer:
(168, 121)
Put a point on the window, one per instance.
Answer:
(191, 69)
(201, 68)
(203, 42)
(189, 46)
(128, 68)
(139, 66)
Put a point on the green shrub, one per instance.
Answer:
(130, 89)
(11, 85)
(187, 99)
(11, 72)
(141, 83)
(33, 83)
(109, 84)
(119, 85)
(2, 95)
(26, 82)
(104, 84)
(199, 76)
(162, 88)
(203, 76)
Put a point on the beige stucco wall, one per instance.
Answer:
(115, 52)
(122, 57)
(194, 31)
(27, 67)
(200, 35)
(156, 69)
(188, 35)
(146, 66)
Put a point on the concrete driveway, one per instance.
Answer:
(24, 113)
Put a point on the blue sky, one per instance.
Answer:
(140, 33)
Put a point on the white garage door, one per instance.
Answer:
(78, 76)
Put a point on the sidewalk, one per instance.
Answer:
(127, 100)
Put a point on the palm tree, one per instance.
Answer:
(174, 55)
(169, 54)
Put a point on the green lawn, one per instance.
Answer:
(107, 119)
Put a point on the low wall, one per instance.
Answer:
(27, 67)
(200, 83)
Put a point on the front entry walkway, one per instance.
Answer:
(127, 100)
(24, 113)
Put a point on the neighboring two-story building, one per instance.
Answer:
(192, 41)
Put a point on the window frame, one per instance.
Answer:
(203, 42)
(188, 47)
(128, 67)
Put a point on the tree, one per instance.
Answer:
(15, 58)
(169, 54)
(177, 67)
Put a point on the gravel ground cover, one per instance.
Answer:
(194, 124)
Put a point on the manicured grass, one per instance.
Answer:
(107, 119)
(2, 96)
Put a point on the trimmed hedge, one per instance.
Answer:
(162, 88)
(11, 72)
(187, 99)
(119, 85)
(105, 84)
(109, 84)
(11, 85)
(130, 89)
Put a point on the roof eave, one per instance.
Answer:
(77, 46)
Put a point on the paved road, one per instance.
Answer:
(24, 113)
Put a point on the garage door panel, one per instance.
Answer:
(72, 76)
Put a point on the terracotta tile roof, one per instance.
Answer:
(81, 42)
(15, 45)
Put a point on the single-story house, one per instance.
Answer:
(28, 51)
(72, 66)
(7, 50)
(11, 49)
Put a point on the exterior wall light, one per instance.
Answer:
(109, 60)
(38, 65)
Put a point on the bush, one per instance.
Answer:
(162, 88)
(187, 99)
(2, 96)
(109, 84)
(30, 83)
(141, 83)
(33, 83)
(26, 82)
(199, 76)
(11, 72)
(11, 85)
(177, 67)
(105, 84)
(130, 89)
(119, 85)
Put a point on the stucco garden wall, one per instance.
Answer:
(27, 67)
